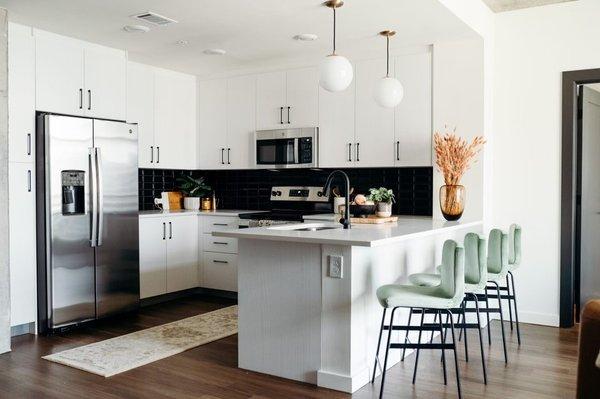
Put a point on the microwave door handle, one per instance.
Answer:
(100, 192)
(93, 197)
(297, 150)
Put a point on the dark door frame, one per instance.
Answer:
(569, 174)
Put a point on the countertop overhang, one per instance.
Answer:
(363, 235)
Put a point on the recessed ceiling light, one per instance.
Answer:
(306, 37)
(181, 42)
(136, 28)
(215, 51)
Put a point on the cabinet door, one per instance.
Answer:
(21, 208)
(336, 128)
(140, 109)
(21, 93)
(174, 120)
(270, 101)
(182, 253)
(212, 124)
(59, 74)
(374, 124)
(153, 256)
(302, 98)
(105, 76)
(241, 122)
(413, 114)
(220, 271)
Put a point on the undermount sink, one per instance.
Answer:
(305, 227)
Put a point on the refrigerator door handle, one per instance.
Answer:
(100, 191)
(93, 197)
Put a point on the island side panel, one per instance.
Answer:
(279, 297)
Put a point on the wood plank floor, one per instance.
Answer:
(544, 367)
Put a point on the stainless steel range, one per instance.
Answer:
(288, 205)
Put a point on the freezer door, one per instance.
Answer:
(117, 249)
(69, 255)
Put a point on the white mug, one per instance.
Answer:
(162, 202)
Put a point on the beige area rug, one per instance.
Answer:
(119, 354)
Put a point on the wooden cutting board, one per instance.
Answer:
(374, 220)
(175, 200)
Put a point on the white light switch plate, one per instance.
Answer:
(336, 266)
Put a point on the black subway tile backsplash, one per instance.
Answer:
(251, 189)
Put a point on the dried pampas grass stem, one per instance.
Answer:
(454, 155)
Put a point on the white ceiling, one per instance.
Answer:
(256, 34)
(510, 5)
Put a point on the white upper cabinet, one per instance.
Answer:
(105, 82)
(174, 120)
(212, 121)
(21, 93)
(374, 124)
(271, 101)
(78, 78)
(59, 74)
(227, 121)
(140, 109)
(336, 128)
(302, 97)
(287, 99)
(241, 125)
(413, 114)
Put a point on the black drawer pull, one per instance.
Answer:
(219, 261)
(220, 224)
(220, 243)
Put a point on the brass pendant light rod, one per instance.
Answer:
(387, 34)
(334, 4)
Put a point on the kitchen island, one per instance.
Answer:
(306, 293)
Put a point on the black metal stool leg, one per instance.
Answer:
(455, 358)
(434, 321)
(387, 350)
(379, 344)
(406, 337)
(444, 333)
(418, 342)
(487, 314)
(460, 332)
(514, 293)
(501, 321)
(442, 341)
(509, 306)
(464, 319)
(480, 338)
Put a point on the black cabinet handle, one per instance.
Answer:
(220, 224)
(170, 231)
(157, 154)
(281, 115)
(29, 181)
(164, 230)
(89, 99)
(228, 158)
(289, 115)
(219, 261)
(28, 143)
(222, 156)
(151, 154)
(349, 152)
(397, 150)
(357, 152)
(80, 98)
(220, 243)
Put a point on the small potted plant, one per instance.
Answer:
(193, 189)
(384, 198)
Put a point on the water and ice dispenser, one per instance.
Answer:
(73, 192)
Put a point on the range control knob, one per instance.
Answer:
(320, 194)
(279, 193)
(274, 193)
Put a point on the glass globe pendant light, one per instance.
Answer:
(335, 71)
(388, 90)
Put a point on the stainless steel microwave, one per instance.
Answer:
(287, 148)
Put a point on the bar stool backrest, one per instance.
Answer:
(514, 245)
(475, 259)
(497, 257)
(452, 271)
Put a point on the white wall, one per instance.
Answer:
(533, 47)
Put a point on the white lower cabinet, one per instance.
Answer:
(168, 254)
(218, 267)
(22, 258)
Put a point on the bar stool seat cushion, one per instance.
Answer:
(412, 296)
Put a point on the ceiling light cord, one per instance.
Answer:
(333, 30)
(387, 58)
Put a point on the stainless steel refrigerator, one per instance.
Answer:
(87, 219)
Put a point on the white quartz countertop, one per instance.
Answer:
(183, 212)
(365, 235)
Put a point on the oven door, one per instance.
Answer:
(276, 152)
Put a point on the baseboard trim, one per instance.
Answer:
(22, 329)
(185, 293)
(343, 383)
(542, 319)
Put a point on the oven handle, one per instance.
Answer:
(297, 152)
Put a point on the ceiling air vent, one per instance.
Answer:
(154, 18)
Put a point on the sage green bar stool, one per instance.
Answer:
(514, 261)
(475, 283)
(439, 299)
